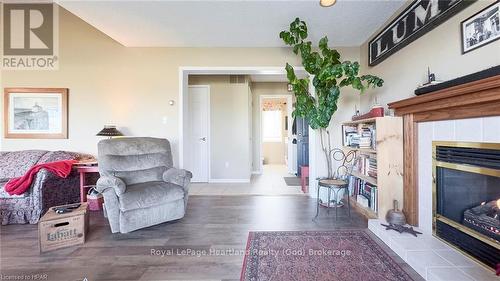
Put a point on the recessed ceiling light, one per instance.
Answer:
(327, 3)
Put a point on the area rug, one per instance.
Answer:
(292, 181)
(318, 255)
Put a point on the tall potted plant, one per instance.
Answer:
(330, 75)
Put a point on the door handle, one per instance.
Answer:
(203, 139)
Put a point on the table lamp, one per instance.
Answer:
(109, 131)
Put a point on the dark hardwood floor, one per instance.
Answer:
(211, 222)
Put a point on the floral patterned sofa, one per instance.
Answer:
(46, 190)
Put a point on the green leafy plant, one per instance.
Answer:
(330, 75)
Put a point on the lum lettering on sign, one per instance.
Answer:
(416, 20)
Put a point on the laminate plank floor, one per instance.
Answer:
(207, 244)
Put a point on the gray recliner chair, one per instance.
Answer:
(139, 184)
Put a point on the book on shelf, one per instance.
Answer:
(366, 165)
(374, 138)
(365, 193)
(362, 200)
(372, 167)
(351, 136)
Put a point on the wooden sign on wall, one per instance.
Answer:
(416, 20)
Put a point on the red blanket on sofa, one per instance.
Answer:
(18, 186)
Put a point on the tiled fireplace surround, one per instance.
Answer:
(431, 258)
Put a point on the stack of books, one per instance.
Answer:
(365, 140)
(351, 136)
(364, 137)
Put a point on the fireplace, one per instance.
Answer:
(466, 198)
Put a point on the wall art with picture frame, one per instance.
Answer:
(36, 113)
(481, 28)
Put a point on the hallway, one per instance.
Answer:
(270, 182)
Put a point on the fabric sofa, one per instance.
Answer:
(139, 184)
(46, 190)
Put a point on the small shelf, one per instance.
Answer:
(368, 179)
(362, 150)
(367, 212)
(362, 121)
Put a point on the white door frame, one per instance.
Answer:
(209, 155)
(185, 71)
(289, 109)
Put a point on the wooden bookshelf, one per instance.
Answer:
(368, 179)
(362, 121)
(389, 155)
(362, 150)
(367, 212)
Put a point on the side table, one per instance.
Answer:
(84, 170)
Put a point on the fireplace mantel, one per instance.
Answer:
(479, 98)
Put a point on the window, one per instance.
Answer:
(271, 126)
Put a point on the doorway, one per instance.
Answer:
(228, 185)
(277, 147)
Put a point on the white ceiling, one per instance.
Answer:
(231, 23)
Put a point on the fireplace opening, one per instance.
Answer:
(484, 219)
(467, 198)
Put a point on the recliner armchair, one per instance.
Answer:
(139, 184)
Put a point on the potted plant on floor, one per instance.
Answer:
(330, 75)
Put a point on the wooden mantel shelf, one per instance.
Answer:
(454, 100)
(479, 98)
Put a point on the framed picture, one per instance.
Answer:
(36, 113)
(482, 28)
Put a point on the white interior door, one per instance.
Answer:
(198, 135)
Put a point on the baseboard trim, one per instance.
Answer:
(228, 180)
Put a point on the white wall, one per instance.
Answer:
(470, 130)
(128, 87)
(229, 127)
(439, 49)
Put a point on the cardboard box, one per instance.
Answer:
(57, 231)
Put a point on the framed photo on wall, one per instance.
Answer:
(36, 113)
(482, 28)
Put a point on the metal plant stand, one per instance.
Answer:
(335, 186)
